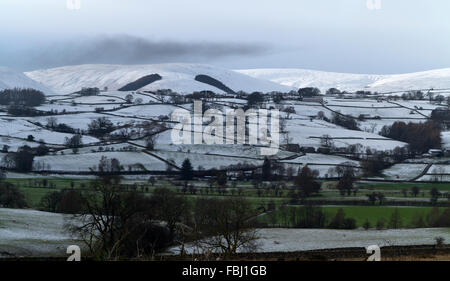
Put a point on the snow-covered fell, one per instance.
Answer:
(298, 78)
(11, 79)
(177, 77)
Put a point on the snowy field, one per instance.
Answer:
(404, 171)
(33, 234)
(147, 111)
(69, 107)
(304, 127)
(291, 240)
(320, 162)
(206, 161)
(178, 77)
(309, 133)
(13, 143)
(81, 121)
(320, 159)
(85, 161)
(446, 139)
(19, 128)
(41, 234)
(299, 78)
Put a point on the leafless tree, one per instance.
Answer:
(225, 225)
(52, 122)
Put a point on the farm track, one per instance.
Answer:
(423, 173)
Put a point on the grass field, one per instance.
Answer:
(363, 213)
(399, 186)
(35, 189)
(373, 214)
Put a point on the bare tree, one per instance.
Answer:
(75, 142)
(129, 98)
(170, 208)
(225, 225)
(52, 122)
(116, 223)
(150, 142)
(326, 141)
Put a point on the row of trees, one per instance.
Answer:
(21, 160)
(11, 196)
(345, 121)
(421, 137)
(310, 216)
(22, 97)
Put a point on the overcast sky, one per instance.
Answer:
(332, 35)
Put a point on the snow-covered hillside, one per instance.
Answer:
(177, 77)
(12, 79)
(298, 78)
(181, 78)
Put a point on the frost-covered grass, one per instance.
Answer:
(300, 128)
(324, 164)
(435, 178)
(81, 121)
(446, 139)
(224, 150)
(85, 161)
(98, 100)
(309, 133)
(13, 143)
(383, 110)
(404, 171)
(40, 234)
(320, 159)
(299, 78)
(19, 128)
(68, 107)
(147, 111)
(33, 234)
(205, 161)
(291, 240)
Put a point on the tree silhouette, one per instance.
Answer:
(187, 172)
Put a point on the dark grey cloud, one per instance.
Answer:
(126, 49)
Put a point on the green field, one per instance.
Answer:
(389, 186)
(35, 189)
(370, 213)
(373, 214)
